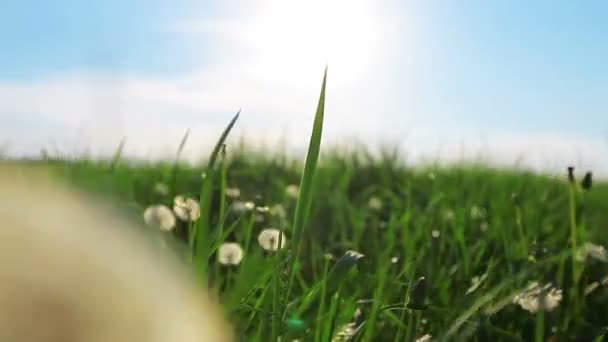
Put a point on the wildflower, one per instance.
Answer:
(425, 338)
(435, 234)
(230, 253)
(292, 190)
(159, 216)
(375, 203)
(592, 252)
(269, 239)
(186, 209)
(233, 192)
(394, 260)
(476, 282)
(161, 189)
(535, 298)
(278, 210)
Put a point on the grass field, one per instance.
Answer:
(441, 251)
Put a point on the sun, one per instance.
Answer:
(287, 37)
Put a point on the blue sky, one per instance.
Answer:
(511, 77)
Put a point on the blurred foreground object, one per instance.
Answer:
(73, 271)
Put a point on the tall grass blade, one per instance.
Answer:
(306, 184)
(200, 237)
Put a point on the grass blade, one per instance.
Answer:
(200, 239)
(306, 184)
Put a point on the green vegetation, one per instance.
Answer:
(479, 236)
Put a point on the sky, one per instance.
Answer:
(510, 82)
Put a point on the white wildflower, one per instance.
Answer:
(394, 260)
(159, 216)
(161, 189)
(425, 338)
(232, 192)
(375, 203)
(230, 253)
(354, 254)
(292, 190)
(535, 298)
(269, 239)
(435, 234)
(593, 252)
(476, 281)
(186, 209)
(249, 206)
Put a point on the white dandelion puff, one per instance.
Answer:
(230, 254)
(186, 209)
(394, 260)
(292, 190)
(159, 216)
(535, 298)
(375, 203)
(232, 192)
(591, 251)
(269, 239)
(435, 234)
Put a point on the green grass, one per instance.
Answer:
(447, 224)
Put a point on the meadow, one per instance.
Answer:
(352, 245)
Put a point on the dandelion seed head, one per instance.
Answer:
(535, 298)
(230, 254)
(292, 190)
(269, 239)
(394, 260)
(159, 216)
(435, 234)
(186, 209)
